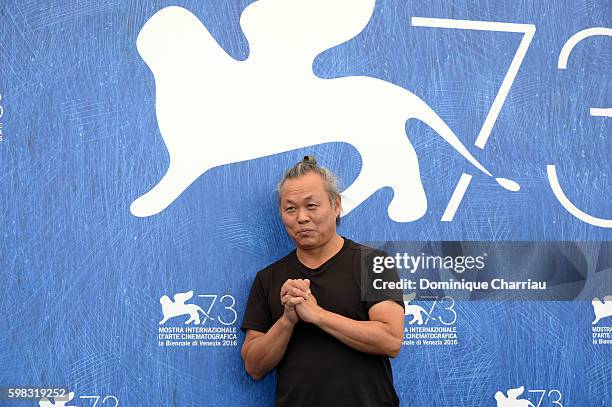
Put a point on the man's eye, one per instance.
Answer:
(312, 205)
(289, 209)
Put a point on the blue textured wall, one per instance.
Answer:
(81, 277)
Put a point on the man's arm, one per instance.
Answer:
(261, 352)
(381, 335)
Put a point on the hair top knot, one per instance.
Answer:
(310, 159)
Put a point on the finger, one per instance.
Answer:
(296, 292)
(295, 301)
(286, 287)
(289, 300)
(285, 298)
(296, 282)
(301, 284)
(305, 287)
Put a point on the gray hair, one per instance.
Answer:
(309, 164)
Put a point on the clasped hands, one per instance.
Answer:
(299, 302)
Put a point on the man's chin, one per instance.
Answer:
(306, 242)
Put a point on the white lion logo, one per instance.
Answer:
(176, 308)
(57, 401)
(213, 110)
(602, 309)
(416, 311)
(512, 400)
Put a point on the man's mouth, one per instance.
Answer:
(304, 232)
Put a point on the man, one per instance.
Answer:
(313, 316)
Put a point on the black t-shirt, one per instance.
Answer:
(318, 369)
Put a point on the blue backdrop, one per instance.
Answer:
(81, 277)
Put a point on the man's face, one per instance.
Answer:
(309, 217)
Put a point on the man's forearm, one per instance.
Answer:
(372, 337)
(266, 351)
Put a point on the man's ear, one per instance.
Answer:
(338, 205)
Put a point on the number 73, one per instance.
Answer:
(528, 31)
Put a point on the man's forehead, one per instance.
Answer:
(307, 186)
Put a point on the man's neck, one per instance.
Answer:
(314, 258)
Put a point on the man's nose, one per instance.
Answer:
(303, 216)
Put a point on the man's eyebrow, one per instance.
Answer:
(306, 198)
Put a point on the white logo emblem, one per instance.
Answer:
(512, 400)
(602, 309)
(416, 311)
(176, 308)
(44, 402)
(213, 110)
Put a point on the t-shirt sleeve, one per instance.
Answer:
(257, 315)
(379, 282)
